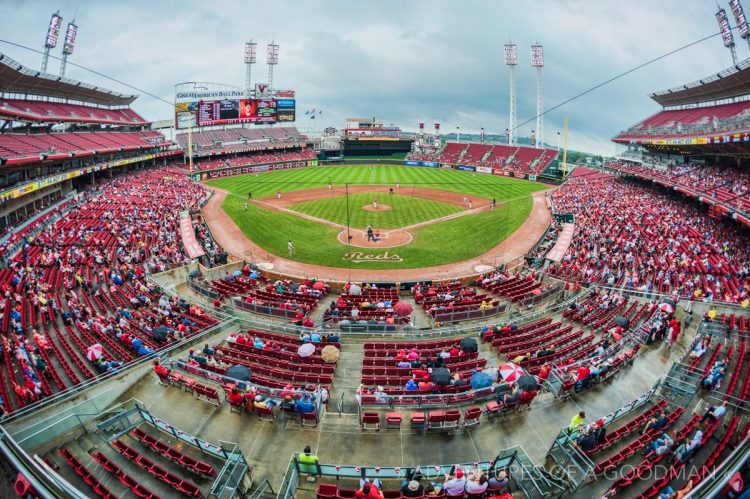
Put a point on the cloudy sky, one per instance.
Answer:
(403, 61)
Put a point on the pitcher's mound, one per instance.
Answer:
(388, 239)
(381, 207)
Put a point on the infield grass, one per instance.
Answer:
(404, 210)
(444, 242)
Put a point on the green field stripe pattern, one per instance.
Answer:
(444, 242)
(404, 210)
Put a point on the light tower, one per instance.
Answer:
(739, 16)
(251, 51)
(511, 60)
(53, 32)
(69, 45)
(726, 33)
(272, 59)
(537, 60)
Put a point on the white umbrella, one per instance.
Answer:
(306, 350)
(666, 307)
(355, 290)
(510, 372)
(94, 352)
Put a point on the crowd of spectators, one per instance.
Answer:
(87, 270)
(520, 159)
(726, 184)
(263, 156)
(627, 235)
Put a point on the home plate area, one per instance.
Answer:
(388, 239)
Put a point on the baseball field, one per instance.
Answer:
(423, 216)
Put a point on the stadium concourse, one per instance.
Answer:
(138, 356)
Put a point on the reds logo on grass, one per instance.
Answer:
(360, 257)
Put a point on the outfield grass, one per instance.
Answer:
(445, 242)
(404, 210)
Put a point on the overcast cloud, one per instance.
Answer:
(403, 61)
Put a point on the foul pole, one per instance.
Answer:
(565, 147)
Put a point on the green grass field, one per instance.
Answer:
(405, 210)
(445, 242)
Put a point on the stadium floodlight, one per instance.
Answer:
(537, 60)
(726, 33)
(251, 51)
(511, 54)
(739, 17)
(70, 38)
(537, 56)
(69, 45)
(53, 33)
(272, 59)
(511, 59)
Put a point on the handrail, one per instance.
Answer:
(712, 484)
(47, 485)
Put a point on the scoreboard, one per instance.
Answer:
(208, 108)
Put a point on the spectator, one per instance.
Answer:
(476, 483)
(577, 421)
(369, 491)
(656, 423)
(715, 413)
(309, 462)
(455, 485)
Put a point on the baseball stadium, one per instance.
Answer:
(233, 302)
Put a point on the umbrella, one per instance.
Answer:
(621, 321)
(441, 376)
(319, 285)
(666, 307)
(480, 380)
(253, 275)
(94, 352)
(510, 372)
(403, 309)
(240, 373)
(355, 290)
(306, 350)
(330, 354)
(527, 383)
(160, 334)
(468, 345)
(670, 301)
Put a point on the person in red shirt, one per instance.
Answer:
(369, 491)
(455, 351)
(424, 386)
(160, 370)
(308, 322)
(235, 398)
(583, 373)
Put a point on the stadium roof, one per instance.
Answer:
(17, 79)
(732, 82)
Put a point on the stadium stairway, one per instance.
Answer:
(347, 376)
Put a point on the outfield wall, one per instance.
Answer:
(286, 165)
